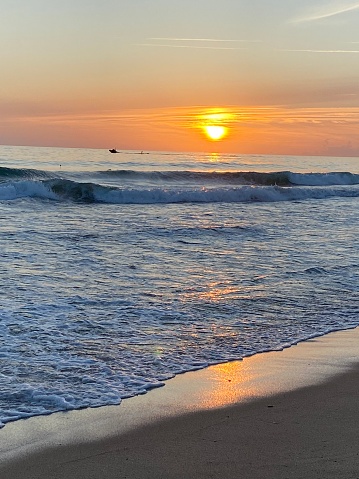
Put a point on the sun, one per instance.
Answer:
(215, 132)
(215, 123)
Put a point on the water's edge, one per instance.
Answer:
(261, 375)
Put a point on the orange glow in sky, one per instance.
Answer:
(262, 130)
(155, 76)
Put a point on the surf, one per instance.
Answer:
(128, 186)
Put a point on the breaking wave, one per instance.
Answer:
(281, 178)
(60, 189)
(176, 186)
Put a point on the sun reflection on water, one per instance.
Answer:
(215, 293)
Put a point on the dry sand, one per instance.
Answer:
(290, 414)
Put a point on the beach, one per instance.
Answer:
(179, 231)
(285, 414)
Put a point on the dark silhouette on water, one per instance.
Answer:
(113, 150)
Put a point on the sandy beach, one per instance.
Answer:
(287, 414)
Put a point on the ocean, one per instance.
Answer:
(120, 271)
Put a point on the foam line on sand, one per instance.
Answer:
(287, 414)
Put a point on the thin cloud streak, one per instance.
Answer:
(204, 40)
(327, 13)
(320, 51)
(196, 43)
(188, 116)
(196, 47)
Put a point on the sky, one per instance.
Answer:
(273, 76)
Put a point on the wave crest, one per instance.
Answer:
(176, 186)
(89, 192)
(276, 178)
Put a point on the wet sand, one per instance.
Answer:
(288, 414)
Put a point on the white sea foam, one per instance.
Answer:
(25, 189)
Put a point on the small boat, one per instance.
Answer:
(113, 150)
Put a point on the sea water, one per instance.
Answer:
(119, 271)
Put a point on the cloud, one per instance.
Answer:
(186, 116)
(187, 46)
(203, 40)
(196, 43)
(327, 12)
(318, 51)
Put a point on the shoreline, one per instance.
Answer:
(41, 444)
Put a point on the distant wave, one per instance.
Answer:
(324, 179)
(281, 178)
(276, 178)
(22, 173)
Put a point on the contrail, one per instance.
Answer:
(203, 40)
(321, 51)
(327, 12)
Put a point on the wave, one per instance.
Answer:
(178, 186)
(69, 190)
(324, 179)
(276, 178)
(281, 178)
(22, 173)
